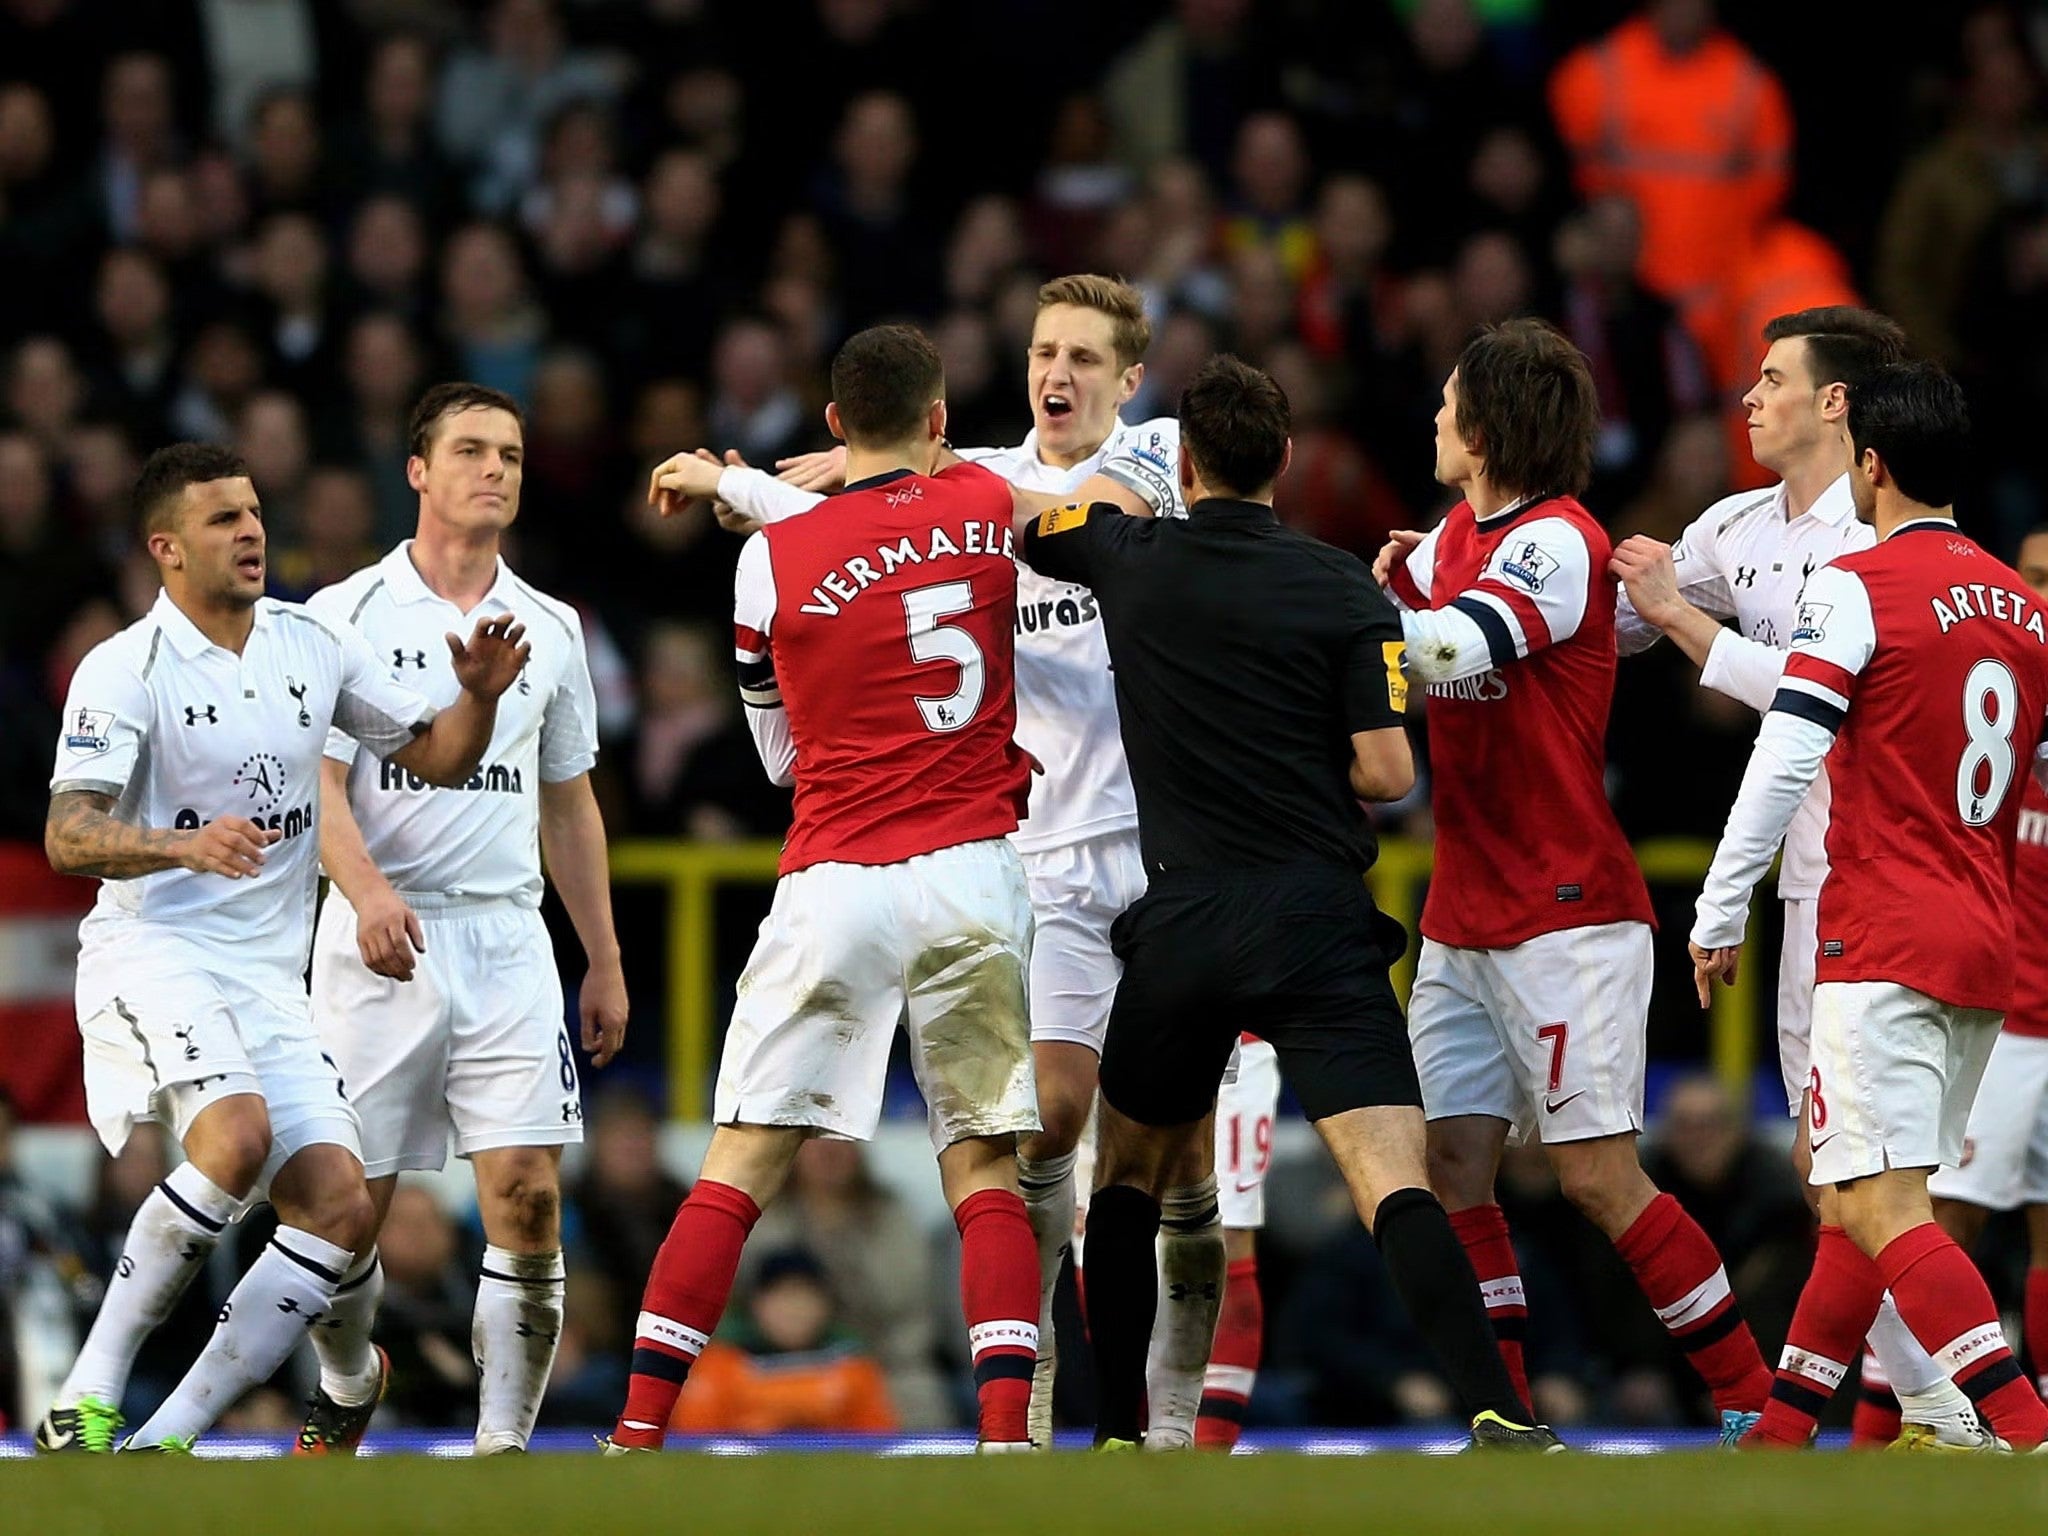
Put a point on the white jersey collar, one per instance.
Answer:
(186, 637)
(409, 586)
(1833, 506)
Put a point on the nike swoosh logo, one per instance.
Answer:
(1823, 1141)
(1552, 1106)
(1244, 1188)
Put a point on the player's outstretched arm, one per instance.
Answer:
(572, 843)
(82, 837)
(388, 932)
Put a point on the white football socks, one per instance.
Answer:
(1924, 1389)
(348, 1362)
(1047, 1185)
(173, 1234)
(514, 1334)
(287, 1291)
(1192, 1266)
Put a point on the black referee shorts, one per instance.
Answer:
(1296, 954)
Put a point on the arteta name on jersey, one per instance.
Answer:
(1979, 600)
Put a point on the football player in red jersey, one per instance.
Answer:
(1531, 993)
(2005, 1150)
(876, 644)
(1919, 673)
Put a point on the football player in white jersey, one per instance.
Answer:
(434, 982)
(188, 781)
(1080, 841)
(1747, 558)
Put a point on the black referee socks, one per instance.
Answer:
(1429, 1268)
(1123, 1298)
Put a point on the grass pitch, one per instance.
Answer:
(781, 1495)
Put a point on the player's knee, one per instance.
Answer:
(345, 1216)
(1591, 1186)
(1062, 1118)
(234, 1150)
(1456, 1177)
(530, 1209)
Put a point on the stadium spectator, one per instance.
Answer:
(787, 1363)
(876, 1260)
(1670, 110)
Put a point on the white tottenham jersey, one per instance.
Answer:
(181, 731)
(1742, 559)
(1066, 695)
(481, 838)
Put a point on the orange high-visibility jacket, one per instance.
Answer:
(1701, 142)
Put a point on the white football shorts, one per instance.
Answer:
(1894, 1075)
(1795, 997)
(1244, 1134)
(2005, 1147)
(939, 944)
(474, 1046)
(1547, 1035)
(170, 1027)
(1077, 891)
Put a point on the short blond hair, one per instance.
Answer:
(1130, 331)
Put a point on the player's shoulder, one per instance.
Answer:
(1561, 525)
(342, 602)
(530, 604)
(133, 651)
(298, 618)
(1723, 518)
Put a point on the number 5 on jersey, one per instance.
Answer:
(931, 640)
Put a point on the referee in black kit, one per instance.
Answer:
(1259, 681)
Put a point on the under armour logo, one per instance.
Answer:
(194, 713)
(298, 692)
(1745, 575)
(572, 1109)
(401, 657)
(1182, 1290)
(528, 1331)
(288, 1304)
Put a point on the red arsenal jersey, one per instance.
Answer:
(1929, 659)
(884, 625)
(2029, 1012)
(1526, 842)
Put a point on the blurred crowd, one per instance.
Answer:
(273, 222)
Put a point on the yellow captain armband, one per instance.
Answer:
(1061, 519)
(1395, 654)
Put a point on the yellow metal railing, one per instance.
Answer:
(693, 872)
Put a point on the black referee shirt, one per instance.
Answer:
(1246, 656)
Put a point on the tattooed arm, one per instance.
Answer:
(82, 837)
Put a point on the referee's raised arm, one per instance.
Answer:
(1261, 683)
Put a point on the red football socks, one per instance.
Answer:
(1945, 1302)
(1483, 1230)
(685, 1297)
(1835, 1312)
(1679, 1270)
(2037, 1323)
(999, 1293)
(1233, 1359)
